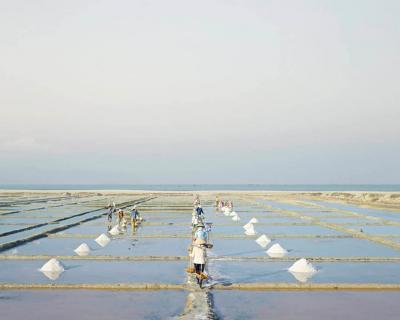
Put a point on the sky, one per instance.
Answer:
(211, 91)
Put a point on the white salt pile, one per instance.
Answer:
(253, 220)
(82, 250)
(53, 265)
(302, 266)
(236, 218)
(233, 213)
(248, 226)
(276, 251)
(226, 211)
(114, 231)
(250, 231)
(263, 241)
(103, 240)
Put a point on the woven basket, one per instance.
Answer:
(190, 270)
(202, 276)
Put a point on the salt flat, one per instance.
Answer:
(352, 241)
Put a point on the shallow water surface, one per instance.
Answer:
(90, 304)
(305, 305)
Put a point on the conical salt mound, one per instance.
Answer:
(263, 241)
(250, 231)
(103, 240)
(248, 226)
(277, 248)
(253, 220)
(302, 266)
(236, 218)
(53, 265)
(114, 231)
(82, 250)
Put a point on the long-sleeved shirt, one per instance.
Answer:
(199, 211)
(199, 254)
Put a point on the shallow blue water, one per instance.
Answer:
(80, 271)
(242, 272)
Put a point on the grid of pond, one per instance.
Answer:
(173, 213)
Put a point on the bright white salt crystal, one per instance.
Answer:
(236, 218)
(248, 226)
(103, 240)
(250, 231)
(263, 241)
(82, 250)
(302, 265)
(276, 248)
(253, 220)
(53, 265)
(114, 231)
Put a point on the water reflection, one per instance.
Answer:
(302, 277)
(52, 275)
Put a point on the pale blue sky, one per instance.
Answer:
(199, 91)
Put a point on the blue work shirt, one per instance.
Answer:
(134, 213)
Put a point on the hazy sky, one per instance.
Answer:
(200, 91)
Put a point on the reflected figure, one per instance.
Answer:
(276, 254)
(133, 230)
(52, 275)
(303, 277)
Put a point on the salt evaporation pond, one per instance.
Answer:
(307, 305)
(386, 214)
(89, 304)
(84, 271)
(273, 229)
(167, 216)
(117, 247)
(141, 230)
(327, 272)
(378, 230)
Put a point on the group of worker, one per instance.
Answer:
(200, 242)
(122, 217)
(219, 204)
